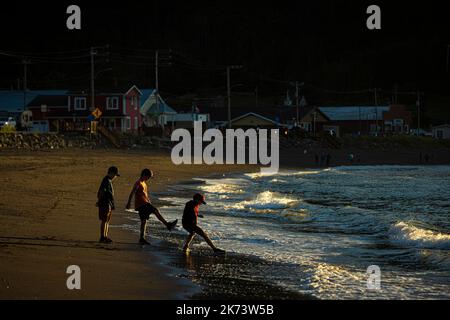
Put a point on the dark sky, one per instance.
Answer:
(322, 43)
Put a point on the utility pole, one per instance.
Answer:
(156, 80)
(418, 113)
(229, 97)
(296, 101)
(314, 124)
(256, 97)
(359, 118)
(448, 54)
(157, 87)
(93, 53)
(25, 71)
(376, 110)
(229, 92)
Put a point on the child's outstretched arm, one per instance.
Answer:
(133, 191)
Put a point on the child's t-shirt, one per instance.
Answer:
(141, 196)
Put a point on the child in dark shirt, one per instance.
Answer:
(190, 216)
(105, 203)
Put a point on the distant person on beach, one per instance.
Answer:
(351, 158)
(105, 203)
(328, 159)
(143, 205)
(190, 216)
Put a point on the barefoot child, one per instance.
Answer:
(143, 205)
(190, 216)
(105, 203)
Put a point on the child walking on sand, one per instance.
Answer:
(190, 216)
(105, 203)
(143, 205)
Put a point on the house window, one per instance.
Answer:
(306, 126)
(135, 98)
(136, 123)
(80, 103)
(440, 134)
(127, 123)
(112, 103)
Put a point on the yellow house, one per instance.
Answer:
(253, 120)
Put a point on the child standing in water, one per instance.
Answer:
(143, 205)
(190, 216)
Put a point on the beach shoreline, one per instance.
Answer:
(48, 221)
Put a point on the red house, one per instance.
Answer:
(397, 120)
(120, 110)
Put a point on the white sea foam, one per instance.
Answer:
(265, 201)
(403, 233)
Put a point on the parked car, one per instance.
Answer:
(9, 121)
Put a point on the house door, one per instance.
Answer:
(112, 124)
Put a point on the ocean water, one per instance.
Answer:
(330, 225)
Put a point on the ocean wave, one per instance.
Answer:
(265, 201)
(285, 173)
(403, 233)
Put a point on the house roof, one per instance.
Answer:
(275, 114)
(354, 113)
(146, 93)
(148, 103)
(443, 126)
(107, 90)
(12, 100)
(56, 101)
(255, 115)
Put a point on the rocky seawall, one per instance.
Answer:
(33, 141)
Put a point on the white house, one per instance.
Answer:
(442, 132)
(154, 109)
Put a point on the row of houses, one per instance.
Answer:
(122, 109)
(133, 109)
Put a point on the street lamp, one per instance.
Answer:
(297, 85)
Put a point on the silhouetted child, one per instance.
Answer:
(105, 203)
(143, 205)
(190, 216)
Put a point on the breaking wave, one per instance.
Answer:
(265, 201)
(406, 234)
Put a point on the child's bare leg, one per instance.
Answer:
(103, 229)
(160, 217)
(106, 229)
(143, 227)
(189, 239)
(202, 233)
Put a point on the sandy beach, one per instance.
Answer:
(48, 221)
